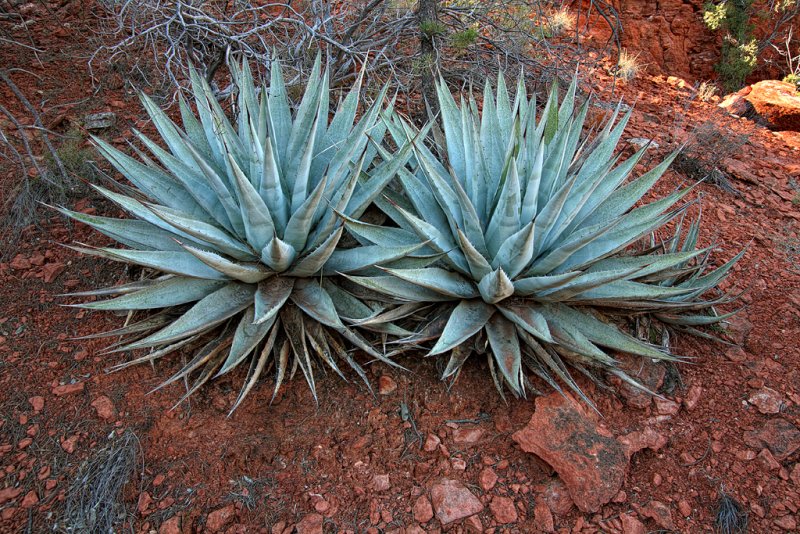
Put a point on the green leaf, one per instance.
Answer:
(207, 313)
(312, 298)
(440, 280)
(466, 320)
(270, 296)
(246, 338)
(278, 255)
(171, 291)
(355, 259)
(505, 348)
(249, 273)
(496, 286)
(526, 316)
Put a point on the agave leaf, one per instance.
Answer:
(528, 318)
(466, 320)
(355, 259)
(299, 225)
(180, 263)
(278, 255)
(478, 265)
(150, 180)
(384, 236)
(505, 218)
(601, 333)
(312, 298)
(258, 367)
(585, 282)
(438, 241)
(249, 273)
(442, 281)
(207, 313)
(526, 287)
(271, 189)
(505, 348)
(398, 289)
(279, 114)
(135, 234)
(151, 356)
(393, 314)
(202, 231)
(554, 363)
(282, 362)
(621, 200)
(162, 294)
(496, 286)
(451, 120)
(694, 320)
(270, 296)
(313, 262)
(316, 337)
(258, 225)
(192, 180)
(140, 211)
(458, 356)
(201, 357)
(517, 251)
(575, 341)
(380, 177)
(246, 338)
(626, 290)
(294, 326)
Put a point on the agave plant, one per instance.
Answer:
(243, 220)
(534, 223)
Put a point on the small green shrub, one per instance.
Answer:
(464, 39)
(432, 28)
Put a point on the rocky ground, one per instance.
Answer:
(415, 457)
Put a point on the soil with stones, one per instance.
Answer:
(415, 457)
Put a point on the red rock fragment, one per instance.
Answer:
(432, 443)
(423, 511)
(37, 403)
(787, 523)
(310, 524)
(487, 479)
(51, 271)
(8, 494)
(543, 517)
(68, 389)
(171, 526)
(660, 513)
(631, 525)
(692, 397)
(453, 501)
(645, 439)
(767, 400)
(591, 462)
(219, 519)
(557, 497)
(104, 407)
(145, 500)
(381, 482)
(503, 509)
(467, 436)
(386, 385)
(780, 436)
(30, 500)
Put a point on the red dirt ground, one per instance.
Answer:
(268, 468)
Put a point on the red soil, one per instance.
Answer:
(267, 468)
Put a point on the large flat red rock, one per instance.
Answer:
(587, 458)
